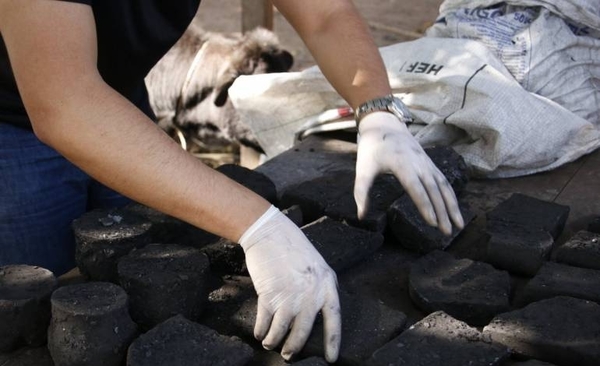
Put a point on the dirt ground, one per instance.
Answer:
(391, 21)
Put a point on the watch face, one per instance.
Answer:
(400, 110)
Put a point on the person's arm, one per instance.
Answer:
(52, 49)
(341, 43)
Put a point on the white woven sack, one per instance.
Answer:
(463, 94)
(552, 48)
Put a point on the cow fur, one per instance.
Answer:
(205, 116)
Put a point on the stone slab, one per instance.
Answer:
(412, 232)
(473, 292)
(440, 340)
(527, 211)
(562, 330)
(581, 250)
(556, 279)
(341, 245)
(517, 249)
(180, 342)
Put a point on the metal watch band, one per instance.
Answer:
(388, 103)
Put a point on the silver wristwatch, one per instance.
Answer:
(389, 103)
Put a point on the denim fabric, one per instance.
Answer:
(41, 193)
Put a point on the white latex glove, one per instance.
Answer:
(293, 283)
(386, 146)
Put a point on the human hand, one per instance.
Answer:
(293, 283)
(386, 146)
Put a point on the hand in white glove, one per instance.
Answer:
(386, 146)
(293, 283)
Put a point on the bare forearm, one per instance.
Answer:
(341, 43)
(52, 48)
(111, 140)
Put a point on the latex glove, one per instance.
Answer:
(293, 283)
(386, 146)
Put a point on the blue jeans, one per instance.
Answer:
(41, 193)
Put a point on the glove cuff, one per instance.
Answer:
(245, 240)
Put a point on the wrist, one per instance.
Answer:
(389, 104)
(382, 121)
(247, 239)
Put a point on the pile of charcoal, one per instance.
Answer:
(157, 291)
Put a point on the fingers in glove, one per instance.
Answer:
(332, 324)
(413, 186)
(435, 197)
(451, 201)
(299, 334)
(263, 321)
(279, 328)
(365, 175)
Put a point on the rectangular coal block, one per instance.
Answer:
(530, 212)
(341, 245)
(312, 361)
(470, 291)
(366, 325)
(562, 330)
(27, 357)
(412, 232)
(518, 249)
(440, 340)
(167, 229)
(530, 363)
(226, 257)
(581, 250)
(294, 213)
(333, 195)
(262, 357)
(594, 225)
(451, 164)
(555, 279)
(180, 342)
(224, 311)
(251, 179)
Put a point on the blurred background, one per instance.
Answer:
(391, 21)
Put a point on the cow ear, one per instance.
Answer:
(222, 94)
(278, 60)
